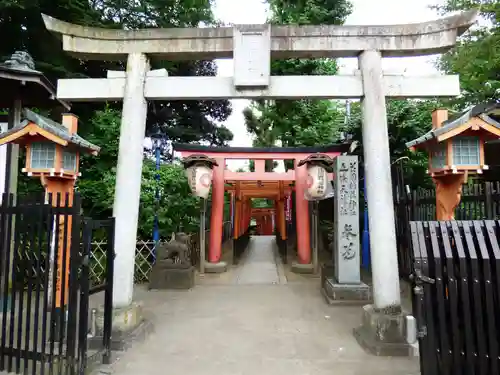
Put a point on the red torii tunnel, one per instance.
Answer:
(265, 219)
(243, 186)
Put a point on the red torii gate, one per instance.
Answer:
(264, 218)
(259, 184)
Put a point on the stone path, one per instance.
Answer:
(253, 322)
(258, 265)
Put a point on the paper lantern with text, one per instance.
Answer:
(318, 185)
(199, 170)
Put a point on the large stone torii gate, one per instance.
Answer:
(252, 47)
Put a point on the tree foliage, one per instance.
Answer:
(476, 58)
(181, 121)
(406, 120)
(177, 208)
(185, 121)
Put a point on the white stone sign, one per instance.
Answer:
(347, 239)
(252, 55)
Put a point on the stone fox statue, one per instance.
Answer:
(175, 253)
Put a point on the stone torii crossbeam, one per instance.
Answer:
(252, 47)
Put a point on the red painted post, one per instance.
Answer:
(302, 216)
(214, 250)
(231, 208)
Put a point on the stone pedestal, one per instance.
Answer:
(336, 293)
(128, 327)
(345, 294)
(163, 277)
(383, 332)
(219, 267)
(173, 268)
(302, 268)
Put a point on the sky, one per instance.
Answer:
(365, 12)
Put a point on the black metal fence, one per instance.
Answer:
(89, 289)
(479, 201)
(45, 285)
(456, 276)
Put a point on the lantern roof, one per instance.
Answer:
(319, 159)
(487, 113)
(48, 129)
(19, 78)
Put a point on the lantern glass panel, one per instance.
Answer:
(69, 160)
(466, 151)
(43, 155)
(438, 156)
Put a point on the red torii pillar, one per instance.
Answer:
(216, 220)
(281, 219)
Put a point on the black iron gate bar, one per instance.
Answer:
(457, 269)
(41, 333)
(31, 265)
(107, 286)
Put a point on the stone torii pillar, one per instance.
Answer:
(129, 176)
(252, 47)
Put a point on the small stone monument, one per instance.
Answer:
(342, 283)
(173, 268)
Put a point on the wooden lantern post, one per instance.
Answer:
(21, 85)
(456, 150)
(53, 155)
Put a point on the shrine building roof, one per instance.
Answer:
(50, 126)
(487, 112)
(20, 80)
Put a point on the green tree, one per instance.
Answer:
(104, 131)
(185, 121)
(189, 121)
(476, 58)
(264, 135)
(177, 208)
(406, 120)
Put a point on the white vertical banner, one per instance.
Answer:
(3, 160)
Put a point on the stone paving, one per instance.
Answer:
(254, 321)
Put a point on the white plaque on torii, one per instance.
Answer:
(252, 55)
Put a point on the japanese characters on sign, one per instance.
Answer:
(348, 188)
(347, 240)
